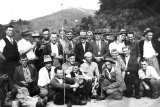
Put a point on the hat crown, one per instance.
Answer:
(25, 31)
(98, 31)
(47, 58)
(106, 31)
(82, 33)
(35, 33)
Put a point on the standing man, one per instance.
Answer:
(99, 49)
(70, 40)
(54, 48)
(81, 48)
(46, 36)
(25, 46)
(149, 50)
(134, 46)
(89, 36)
(9, 52)
(107, 36)
(131, 75)
(123, 32)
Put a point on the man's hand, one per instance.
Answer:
(97, 59)
(105, 88)
(76, 85)
(53, 54)
(84, 60)
(42, 47)
(24, 83)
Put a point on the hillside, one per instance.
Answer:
(68, 17)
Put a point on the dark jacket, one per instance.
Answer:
(79, 51)
(19, 74)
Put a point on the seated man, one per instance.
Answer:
(85, 88)
(57, 86)
(112, 84)
(26, 75)
(150, 78)
(46, 73)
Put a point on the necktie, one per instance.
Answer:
(11, 40)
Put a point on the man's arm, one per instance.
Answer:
(2, 45)
(21, 48)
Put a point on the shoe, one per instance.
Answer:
(137, 97)
(101, 98)
(155, 95)
(69, 104)
(80, 102)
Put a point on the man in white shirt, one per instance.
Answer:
(150, 78)
(149, 49)
(9, 52)
(46, 73)
(25, 46)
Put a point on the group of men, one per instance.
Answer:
(65, 70)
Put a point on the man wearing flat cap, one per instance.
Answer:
(81, 48)
(149, 49)
(112, 83)
(25, 46)
(99, 49)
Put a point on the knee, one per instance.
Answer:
(153, 81)
(106, 82)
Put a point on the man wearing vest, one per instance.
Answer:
(9, 52)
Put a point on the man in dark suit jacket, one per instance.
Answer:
(57, 86)
(99, 49)
(81, 48)
(131, 75)
(26, 75)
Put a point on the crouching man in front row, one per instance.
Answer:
(150, 80)
(112, 81)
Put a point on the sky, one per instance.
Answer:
(30, 9)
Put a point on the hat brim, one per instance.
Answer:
(147, 32)
(26, 34)
(104, 34)
(113, 62)
(97, 33)
(47, 62)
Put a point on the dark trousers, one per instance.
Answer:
(100, 64)
(132, 83)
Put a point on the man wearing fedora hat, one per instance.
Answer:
(81, 48)
(112, 81)
(25, 46)
(107, 36)
(149, 49)
(99, 49)
(123, 32)
(46, 73)
(9, 52)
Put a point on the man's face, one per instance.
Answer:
(53, 38)
(149, 36)
(48, 65)
(123, 36)
(108, 65)
(114, 54)
(89, 36)
(89, 59)
(46, 35)
(97, 36)
(75, 69)
(83, 40)
(69, 35)
(120, 38)
(108, 37)
(9, 31)
(72, 60)
(143, 65)
(24, 62)
(130, 37)
(126, 52)
(62, 34)
(26, 37)
(59, 74)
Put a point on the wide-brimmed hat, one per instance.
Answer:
(147, 30)
(98, 31)
(109, 59)
(123, 31)
(106, 32)
(83, 35)
(35, 34)
(47, 58)
(25, 32)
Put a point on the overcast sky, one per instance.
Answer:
(30, 9)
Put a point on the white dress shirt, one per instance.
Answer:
(116, 46)
(24, 45)
(59, 80)
(3, 43)
(99, 46)
(150, 73)
(43, 78)
(127, 60)
(109, 73)
(148, 50)
(84, 46)
(54, 48)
